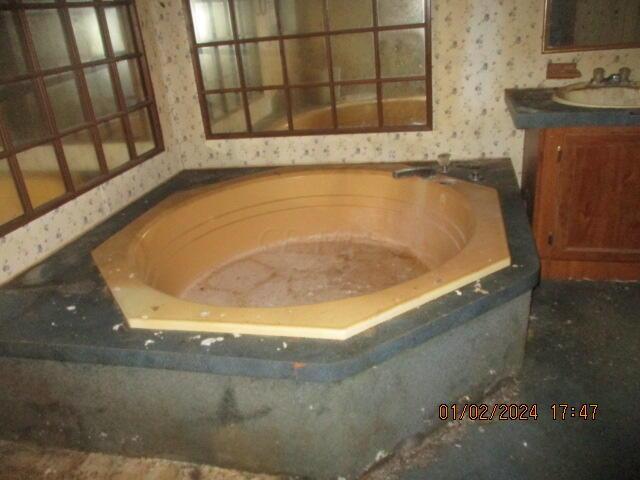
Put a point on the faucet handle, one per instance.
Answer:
(444, 159)
(625, 74)
(598, 75)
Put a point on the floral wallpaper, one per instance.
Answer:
(479, 48)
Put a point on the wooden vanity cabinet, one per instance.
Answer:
(582, 190)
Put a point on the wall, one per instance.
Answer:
(30, 244)
(479, 49)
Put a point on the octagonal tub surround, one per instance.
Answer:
(319, 253)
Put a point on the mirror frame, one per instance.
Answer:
(546, 48)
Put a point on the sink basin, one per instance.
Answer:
(593, 96)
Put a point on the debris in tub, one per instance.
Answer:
(54, 324)
(149, 342)
(284, 345)
(71, 308)
(195, 337)
(515, 265)
(236, 335)
(118, 326)
(477, 288)
(458, 292)
(380, 455)
(207, 342)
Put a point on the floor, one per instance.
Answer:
(583, 348)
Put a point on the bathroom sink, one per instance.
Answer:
(588, 95)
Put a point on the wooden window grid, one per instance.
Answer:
(379, 81)
(37, 76)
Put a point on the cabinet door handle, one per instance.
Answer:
(559, 153)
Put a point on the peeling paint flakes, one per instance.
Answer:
(458, 292)
(149, 342)
(284, 345)
(207, 342)
(195, 337)
(236, 335)
(71, 308)
(477, 288)
(380, 455)
(117, 327)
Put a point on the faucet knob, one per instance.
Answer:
(444, 159)
(625, 74)
(598, 75)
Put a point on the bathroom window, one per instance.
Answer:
(295, 67)
(76, 104)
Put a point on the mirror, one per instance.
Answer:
(573, 25)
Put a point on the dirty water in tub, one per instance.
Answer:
(307, 271)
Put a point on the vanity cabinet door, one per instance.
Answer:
(588, 208)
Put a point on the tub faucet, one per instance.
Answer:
(421, 171)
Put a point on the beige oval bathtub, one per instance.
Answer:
(319, 252)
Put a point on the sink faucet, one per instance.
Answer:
(622, 77)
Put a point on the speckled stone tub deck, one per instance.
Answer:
(72, 376)
(534, 108)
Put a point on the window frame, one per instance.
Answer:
(287, 87)
(91, 123)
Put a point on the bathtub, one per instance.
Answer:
(441, 234)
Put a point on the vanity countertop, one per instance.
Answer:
(534, 108)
